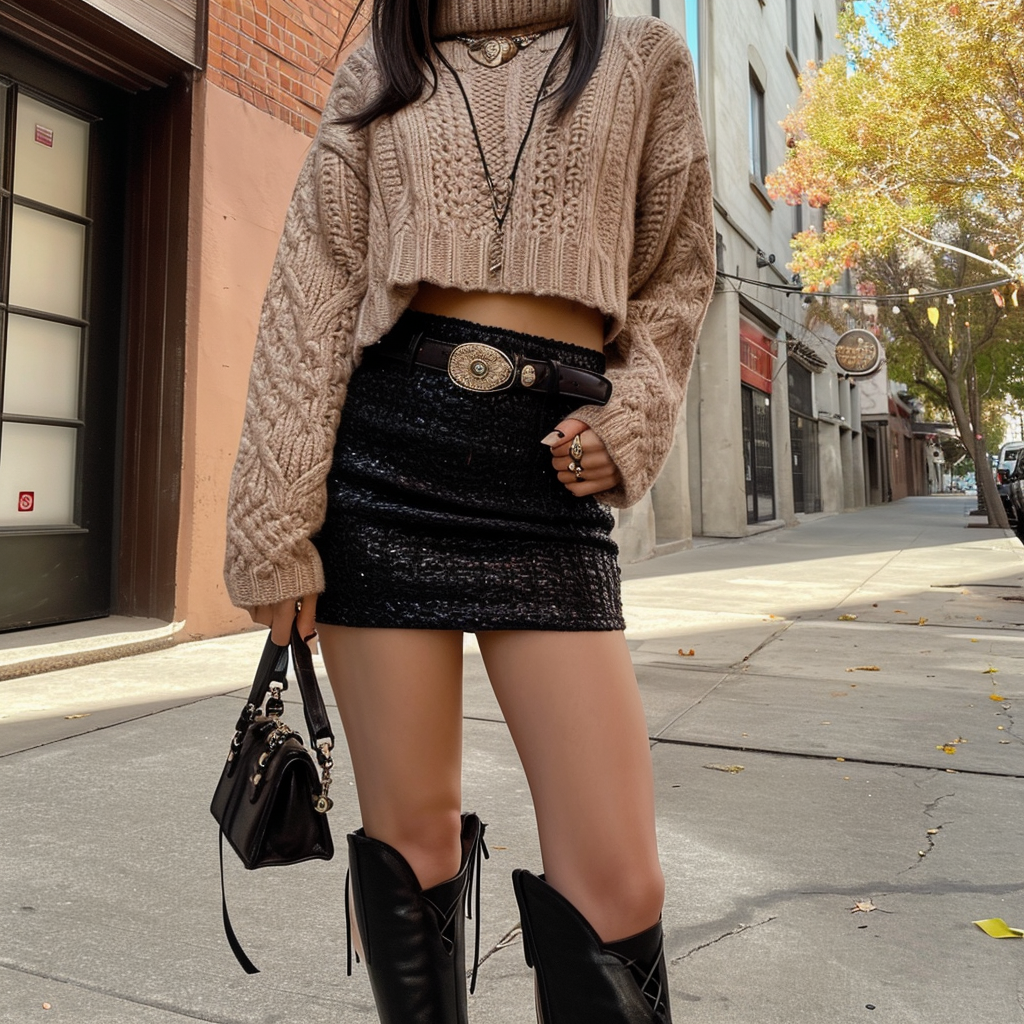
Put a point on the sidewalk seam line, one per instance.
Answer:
(66, 980)
(834, 757)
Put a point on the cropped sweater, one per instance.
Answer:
(612, 208)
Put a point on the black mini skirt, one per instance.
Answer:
(443, 509)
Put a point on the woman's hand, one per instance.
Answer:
(279, 618)
(598, 473)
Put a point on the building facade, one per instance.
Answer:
(771, 427)
(150, 148)
(149, 151)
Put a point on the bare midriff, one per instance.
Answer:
(545, 315)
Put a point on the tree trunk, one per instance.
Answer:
(987, 490)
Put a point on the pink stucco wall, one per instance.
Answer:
(246, 165)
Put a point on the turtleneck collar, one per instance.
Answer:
(480, 17)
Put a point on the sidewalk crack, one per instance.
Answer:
(738, 930)
(508, 939)
(930, 834)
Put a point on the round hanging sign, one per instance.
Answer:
(858, 352)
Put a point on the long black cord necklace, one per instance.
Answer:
(501, 192)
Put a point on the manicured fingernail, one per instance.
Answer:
(553, 438)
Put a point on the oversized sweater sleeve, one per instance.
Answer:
(301, 365)
(671, 279)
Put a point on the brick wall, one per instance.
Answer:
(268, 53)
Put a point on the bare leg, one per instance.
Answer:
(574, 711)
(399, 692)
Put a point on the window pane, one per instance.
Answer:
(51, 156)
(756, 129)
(4, 100)
(693, 32)
(37, 475)
(41, 372)
(47, 255)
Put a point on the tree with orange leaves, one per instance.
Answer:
(913, 144)
(922, 117)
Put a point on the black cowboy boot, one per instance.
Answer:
(579, 980)
(414, 939)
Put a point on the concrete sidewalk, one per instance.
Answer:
(835, 663)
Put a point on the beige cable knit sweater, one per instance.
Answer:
(612, 209)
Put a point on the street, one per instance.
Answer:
(834, 713)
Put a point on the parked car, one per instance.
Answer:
(1008, 458)
(1015, 486)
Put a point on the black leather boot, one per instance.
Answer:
(414, 939)
(579, 980)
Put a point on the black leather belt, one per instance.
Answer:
(476, 366)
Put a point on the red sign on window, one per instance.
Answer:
(44, 136)
(756, 358)
(26, 501)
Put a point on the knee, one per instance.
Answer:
(429, 840)
(620, 901)
(639, 896)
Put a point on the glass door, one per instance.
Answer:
(56, 437)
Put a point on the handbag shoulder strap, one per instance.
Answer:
(309, 688)
(273, 667)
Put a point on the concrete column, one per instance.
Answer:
(859, 478)
(781, 440)
(723, 492)
(634, 531)
(693, 449)
(671, 493)
(846, 446)
(830, 467)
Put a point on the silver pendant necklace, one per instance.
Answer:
(496, 50)
(501, 191)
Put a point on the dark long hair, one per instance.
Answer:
(404, 49)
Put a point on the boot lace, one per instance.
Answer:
(648, 979)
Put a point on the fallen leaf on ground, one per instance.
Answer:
(990, 671)
(731, 768)
(686, 654)
(840, 758)
(847, 618)
(933, 831)
(921, 621)
(995, 696)
(864, 668)
(946, 748)
(70, 717)
(863, 907)
(973, 640)
(999, 929)
(898, 611)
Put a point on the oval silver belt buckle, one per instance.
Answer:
(478, 367)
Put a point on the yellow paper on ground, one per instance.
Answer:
(999, 929)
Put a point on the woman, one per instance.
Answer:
(503, 196)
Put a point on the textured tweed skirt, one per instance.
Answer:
(443, 509)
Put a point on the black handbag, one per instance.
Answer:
(271, 801)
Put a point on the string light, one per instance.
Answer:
(908, 296)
